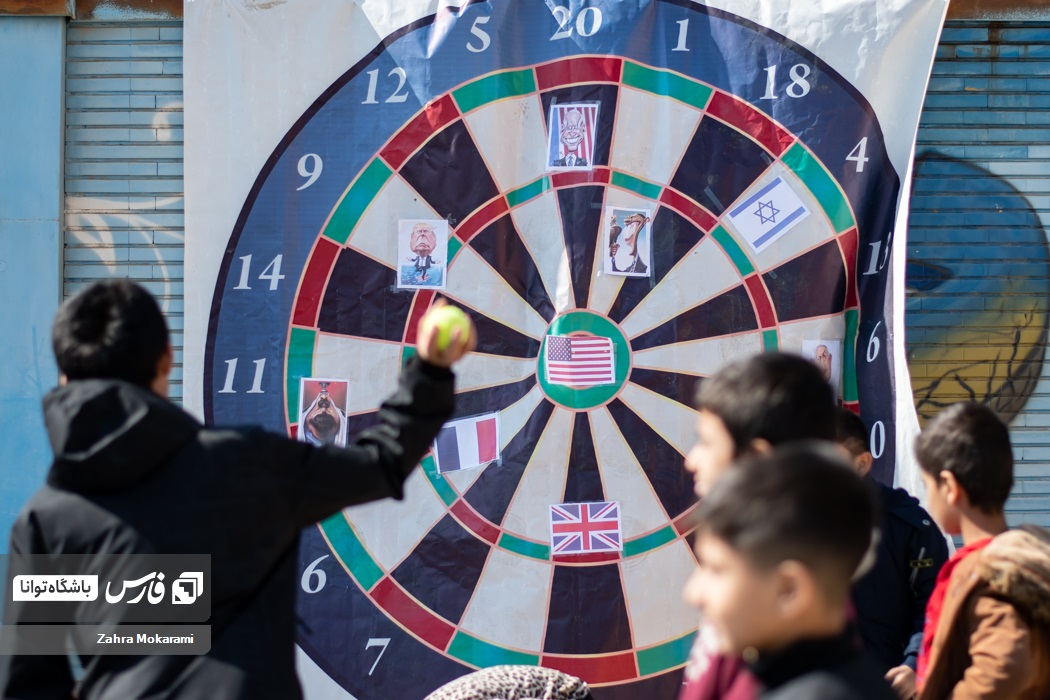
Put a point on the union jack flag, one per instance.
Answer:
(578, 528)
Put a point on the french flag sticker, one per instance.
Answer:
(467, 443)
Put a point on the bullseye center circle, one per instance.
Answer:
(582, 395)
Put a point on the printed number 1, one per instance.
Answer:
(683, 31)
(377, 642)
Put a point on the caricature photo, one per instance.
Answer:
(322, 411)
(422, 247)
(570, 139)
(628, 242)
(827, 355)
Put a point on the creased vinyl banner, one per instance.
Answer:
(624, 196)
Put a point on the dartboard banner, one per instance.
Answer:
(624, 196)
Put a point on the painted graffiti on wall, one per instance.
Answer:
(978, 284)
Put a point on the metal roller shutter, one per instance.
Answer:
(123, 162)
(979, 264)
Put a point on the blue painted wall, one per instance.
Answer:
(31, 138)
(978, 309)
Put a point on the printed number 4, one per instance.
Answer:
(377, 642)
(859, 154)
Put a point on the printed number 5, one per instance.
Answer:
(377, 642)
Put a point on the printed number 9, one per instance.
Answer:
(311, 171)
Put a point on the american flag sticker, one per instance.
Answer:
(580, 360)
(582, 528)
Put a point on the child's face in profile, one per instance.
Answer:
(712, 453)
(943, 512)
(734, 597)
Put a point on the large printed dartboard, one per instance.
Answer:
(763, 198)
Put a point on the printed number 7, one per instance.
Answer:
(377, 642)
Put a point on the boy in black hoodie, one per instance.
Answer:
(891, 598)
(778, 539)
(133, 474)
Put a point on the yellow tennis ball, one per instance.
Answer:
(446, 319)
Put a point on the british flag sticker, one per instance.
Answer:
(584, 528)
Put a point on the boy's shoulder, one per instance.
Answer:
(1016, 566)
(903, 507)
(856, 679)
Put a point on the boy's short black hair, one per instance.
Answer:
(850, 431)
(775, 396)
(800, 502)
(111, 330)
(969, 440)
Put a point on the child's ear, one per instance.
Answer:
(760, 446)
(795, 589)
(950, 487)
(864, 462)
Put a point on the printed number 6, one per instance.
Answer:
(873, 343)
(311, 571)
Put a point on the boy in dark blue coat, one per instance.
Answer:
(891, 599)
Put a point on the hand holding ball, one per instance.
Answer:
(445, 335)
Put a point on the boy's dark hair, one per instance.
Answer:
(775, 396)
(800, 502)
(111, 330)
(850, 431)
(969, 440)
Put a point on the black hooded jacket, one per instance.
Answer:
(891, 599)
(133, 473)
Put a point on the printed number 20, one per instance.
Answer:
(588, 22)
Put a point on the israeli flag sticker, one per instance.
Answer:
(768, 214)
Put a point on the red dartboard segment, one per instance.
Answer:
(610, 668)
(595, 558)
(419, 307)
(474, 522)
(312, 287)
(481, 218)
(684, 523)
(848, 244)
(578, 70)
(704, 220)
(416, 618)
(767, 318)
(580, 177)
(434, 117)
(749, 120)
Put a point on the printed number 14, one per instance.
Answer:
(272, 272)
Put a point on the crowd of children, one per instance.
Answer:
(814, 582)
